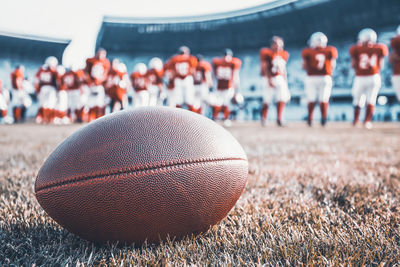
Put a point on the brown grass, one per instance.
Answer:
(314, 197)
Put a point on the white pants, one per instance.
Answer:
(96, 96)
(3, 102)
(48, 97)
(183, 92)
(154, 91)
(75, 99)
(201, 95)
(280, 89)
(365, 89)
(224, 97)
(141, 99)
(318, 88)
(396, 85)
(62, 101)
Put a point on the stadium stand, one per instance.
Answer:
(30, 51)
(245, 31)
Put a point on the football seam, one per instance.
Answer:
(131, 170)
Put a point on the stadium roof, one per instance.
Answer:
(30, 46)
(200, 18)
(247, 29)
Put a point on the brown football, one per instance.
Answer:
(143, 174)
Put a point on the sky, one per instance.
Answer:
(79, 20)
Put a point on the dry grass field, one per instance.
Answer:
(314, 197)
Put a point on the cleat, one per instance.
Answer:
(227, 123)
(368, 125)
(263, 123)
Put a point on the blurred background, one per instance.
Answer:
(136, 32)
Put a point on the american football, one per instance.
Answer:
(201, 133)
(139, 176)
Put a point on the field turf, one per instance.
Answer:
(314, 197)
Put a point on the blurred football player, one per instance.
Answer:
(395, 60)
(4, 99)
(71, 82)
(226, 73)
(319, 60)
(202, 83)
(273, 70)
(155, 76)
(169, 74)
(97, 69)
(367, 60)
(61, 111)
(117, 85)
(140, 84)
(20, 98)
(46, 84)
(183, 66)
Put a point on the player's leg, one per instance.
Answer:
(92, 103)
(189, 93)
(371, 95)
(171, 98)
(100, 101)
(3, 107)
(51, 105)
(282, 97)
(358, 97)
(197, 104)
(310, 87)
(205, 92)
(179, 97)
(39, 114)
(217, 103)
(63, 107)
(324, 94)
(144, 96)
(153, 95)
(16, 105)
(227, 96)
(266, 101)
(45, 93)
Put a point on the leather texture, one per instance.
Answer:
(142, 175)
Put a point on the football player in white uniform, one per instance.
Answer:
(319, 61)
(46, 84)
(155, 76)
(273, 70)
(367, 60)
(140, 84)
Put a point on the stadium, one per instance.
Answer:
(245, 31)
(314, 195)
